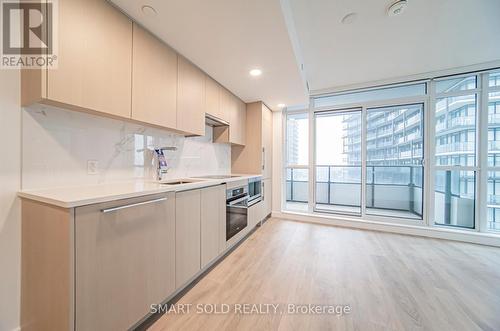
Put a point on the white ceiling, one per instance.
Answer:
(430, 35)
(227, 38)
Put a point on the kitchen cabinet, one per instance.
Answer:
(187, 236)
(154, 80)
(237, 122)
(255, 214)
(125, 260)
(256, 156)
(213, 99)
(190, 98)
(235, 110)
(101, 266)
(213, 214)
(94, 62)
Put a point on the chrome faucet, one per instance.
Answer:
(161, 161)
(158, 157)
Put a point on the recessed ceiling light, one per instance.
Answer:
(397, 8)
(148, 11)
(281, 105)
(255, 72)
(349, 18)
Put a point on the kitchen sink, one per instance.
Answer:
(181, 181)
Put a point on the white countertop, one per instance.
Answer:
(71, 197)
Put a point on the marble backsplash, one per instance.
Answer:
(57, 145)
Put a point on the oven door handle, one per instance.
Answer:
(232, 203)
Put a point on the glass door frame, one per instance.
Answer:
(364, 106)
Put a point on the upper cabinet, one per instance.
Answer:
(213, 99)
(256, 156)
(94, 60)
(236, 110)
(237, 122)
(108, 65)
(154, 80)
(190, 98)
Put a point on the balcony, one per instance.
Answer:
(461, 147)
(494, 146)
(405, 155)
(413, 120)
(463, 121)
(391, 191)
(494, 119)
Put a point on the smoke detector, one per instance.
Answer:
(397, 8)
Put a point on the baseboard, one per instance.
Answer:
(431, 232)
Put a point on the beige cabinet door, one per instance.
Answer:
(237, 129)
(267, 142)
(187, 236)
(190, 98)
(214, 99)
(211, 200)
(255, 213)
(124, 260)
(95, 58)
(154, 80)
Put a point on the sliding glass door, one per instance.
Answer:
(394, 155)
(393, 184)
(338, 161)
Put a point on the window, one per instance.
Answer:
(297, 139)
(455, 130)
(455, 137)
(394, 185)
(338, 161)
(454, 198)
(370, 156)
(493, 186)
(297, 156)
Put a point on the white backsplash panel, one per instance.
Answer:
(60, 148)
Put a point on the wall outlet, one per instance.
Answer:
(92, 167)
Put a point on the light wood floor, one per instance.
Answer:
(390, 281)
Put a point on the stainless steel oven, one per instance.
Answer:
(254, 190)
(236, 210)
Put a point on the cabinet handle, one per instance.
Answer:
(263, 158)
(262, 193)
(110, 210)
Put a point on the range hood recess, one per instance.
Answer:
(214, 121)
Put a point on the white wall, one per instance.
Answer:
(10, 222)
(277, 160)
(58, 143)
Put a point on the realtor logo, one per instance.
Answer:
(28, 34)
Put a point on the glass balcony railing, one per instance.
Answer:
(463, 121)
(390, 190)
(467, 146)
(494, 119)
(493, 146)
(440, 126)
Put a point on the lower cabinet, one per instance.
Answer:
(124, 260)
(187, 235)
(212, 217)
(255, 214)
(102, 266)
